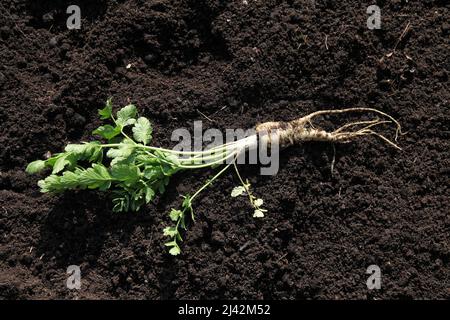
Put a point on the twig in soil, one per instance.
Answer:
(334, 159)
(137, 171)
(205, 116)
(405, 31)
(217, 111)
(282, 257)
(245, 245)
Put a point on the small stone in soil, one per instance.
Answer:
(53, 42)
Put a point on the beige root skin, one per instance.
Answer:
(302, 129)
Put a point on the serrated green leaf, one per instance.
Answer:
(108, 132)
(144, 158)
(136, 199)
(142, 130)
(51, 184)
(168, 169)
(118, 160)
(152, 173)
(99, 171)
(170, 244)
(170, 231)
(187, 204)
(175, 250)
(96, 155)
(35, 166)
(77, 148)
(120, 201)
(95, 177)
(258, 202)
(50, 162)
(70, 179)
(64, 159)
(123, 151)
(237, 191)
(91, 151)
(128, 173)
(137, 194)
(173, 159)
(106, 112)
(175, 214)
(149, 194)
(258, 214)
(126, 113)
(60, 163)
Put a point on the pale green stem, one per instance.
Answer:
(243, 184)
(211, 180)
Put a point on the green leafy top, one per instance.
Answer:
(82, 165)
(134, 171)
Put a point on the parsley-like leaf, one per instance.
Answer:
(125, 172)
(258, 202)
(175, 215)
(106, 112)
(63, 160)
(237, 191)
(96, 177)
(170, 231)
(108, 131)
(258, 213)
(91, 151)
(125, 114)
(175, 250)
(51, 184)
(35, 166)
(123, 151)
(142, 130)
(149, 194)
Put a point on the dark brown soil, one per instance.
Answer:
(238, 64)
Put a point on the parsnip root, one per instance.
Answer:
(302, 129)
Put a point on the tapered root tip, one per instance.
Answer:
(352, 130)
